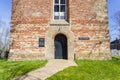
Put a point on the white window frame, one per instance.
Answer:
(59, 11)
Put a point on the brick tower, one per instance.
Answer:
(59, 29)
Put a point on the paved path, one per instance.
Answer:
(52, 67)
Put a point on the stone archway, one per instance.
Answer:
(52, 32)
(60, 44)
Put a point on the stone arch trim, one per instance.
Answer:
(64, 33)
(49, 43)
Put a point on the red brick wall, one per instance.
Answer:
(27, 11)
(89, 19)
(31, 20)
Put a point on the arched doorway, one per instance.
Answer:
(60, 43)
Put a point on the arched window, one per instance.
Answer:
(60, 10)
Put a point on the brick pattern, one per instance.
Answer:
(24, 41)
(90, 20)
(87, 18)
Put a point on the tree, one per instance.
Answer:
(116, 20)
(1, 39)
(4, 39)
(115, 31)
(6, 49)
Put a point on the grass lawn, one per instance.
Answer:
(12, 69)
(91, 70)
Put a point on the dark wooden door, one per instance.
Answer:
(60, 47)
(58, 50)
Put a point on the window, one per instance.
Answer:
(59, 9)
(41, 42)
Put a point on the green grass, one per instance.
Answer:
(91, 70)
(12, 69)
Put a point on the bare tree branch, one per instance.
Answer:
(116, 18)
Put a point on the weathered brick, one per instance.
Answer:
(32, 19)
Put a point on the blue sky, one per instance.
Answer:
(5, 11)
(113, 6)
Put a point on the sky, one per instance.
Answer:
(113, 7)
(5, 13)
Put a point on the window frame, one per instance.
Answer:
(60, 11)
